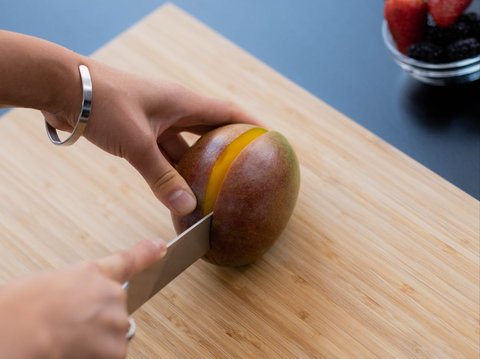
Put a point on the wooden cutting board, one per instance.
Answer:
(380, 258)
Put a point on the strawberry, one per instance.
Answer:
(446, 12)
(407, 21)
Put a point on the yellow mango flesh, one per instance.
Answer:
(223, 163)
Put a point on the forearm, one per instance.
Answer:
(38, 74)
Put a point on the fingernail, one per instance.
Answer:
(182, 201)
(161, 245)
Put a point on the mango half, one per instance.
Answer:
(249, 177)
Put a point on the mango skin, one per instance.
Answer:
(257, 196)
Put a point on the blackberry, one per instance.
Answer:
(473, 21)
(463, 49)
(444, 36)
(463, 27)
(426, 51)
(470, 18)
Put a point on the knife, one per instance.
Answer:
(182, 252)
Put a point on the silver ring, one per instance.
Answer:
(131, 330)
(84, 112)
(133, 326)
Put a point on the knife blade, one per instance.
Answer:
(182, 252)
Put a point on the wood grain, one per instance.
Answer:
(381, 256)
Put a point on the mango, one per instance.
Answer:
(249, 177)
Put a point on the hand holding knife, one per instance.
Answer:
(182, 251)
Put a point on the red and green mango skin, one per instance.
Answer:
(197, 163)
(256, 199)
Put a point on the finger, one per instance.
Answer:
(175, 146)
(116, 318)
(196, 129)
(166, 155)
(123, 265)
(232, 112)
(166, 183)
(110, 346)
(209, 111)
(226, 112)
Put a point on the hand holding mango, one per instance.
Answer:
(249, 177)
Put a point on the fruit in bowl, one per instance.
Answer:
(434, 31)
(407, 21)
(459, 41)
(436, 41)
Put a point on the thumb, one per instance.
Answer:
(123, 265)
(164, 180)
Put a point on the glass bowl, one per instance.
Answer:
(451, 73)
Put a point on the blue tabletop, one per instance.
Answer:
(334, 49)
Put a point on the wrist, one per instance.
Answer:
(65, 98)
(41, 75)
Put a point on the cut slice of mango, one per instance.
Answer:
(223, 163)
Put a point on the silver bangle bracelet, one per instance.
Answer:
(84, 112)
